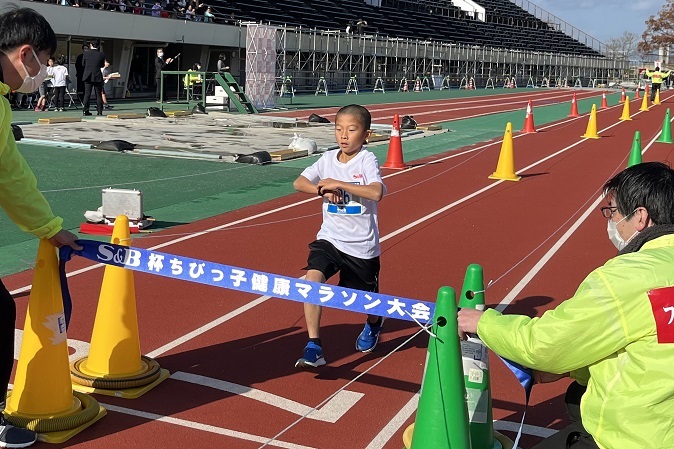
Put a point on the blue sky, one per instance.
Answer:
(604, 20)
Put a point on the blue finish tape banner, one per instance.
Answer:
(252, 281)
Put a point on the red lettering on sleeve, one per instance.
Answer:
(662, 303)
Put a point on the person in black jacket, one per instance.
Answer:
(92, 61)
(159, 64)
(79, 71)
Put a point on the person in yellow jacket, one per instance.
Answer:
(192, 81)
(26, 41)
(615, 335)
(656, 77)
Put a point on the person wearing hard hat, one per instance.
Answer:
(656, 77)
(615, 336)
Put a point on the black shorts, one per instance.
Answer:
(356, 273)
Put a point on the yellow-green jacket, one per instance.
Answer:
(657, 76)
(191, 78)
(19, 196)
(605, 335)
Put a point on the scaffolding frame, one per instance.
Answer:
(306, 55)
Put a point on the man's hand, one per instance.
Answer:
(169, 60)
(541, 377)
(65, 238)
(468, 319)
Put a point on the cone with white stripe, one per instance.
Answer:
(529, 126)
(394, 158)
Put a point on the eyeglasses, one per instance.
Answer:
(608, 211)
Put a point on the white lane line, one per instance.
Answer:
(505, 302)
(206, 327)
(396, 423)
(203, 427)
(334, 409)
(527, 429)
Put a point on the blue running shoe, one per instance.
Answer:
(313, 356)
(368, 339)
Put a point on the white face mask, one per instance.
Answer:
(33, 83)
(160, 54)
(614, 236)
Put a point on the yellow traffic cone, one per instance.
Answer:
(657, 97)
(505, 169)
(591, 131)
(626, 109)
(115, 365)
(42, 399)
(644, 103)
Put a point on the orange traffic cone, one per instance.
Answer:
(505, 168)
(405, 88)
(591, 131)
(417, 85)
(471, 86)
(622, 96)
(604, 104)
(574, 107)
(636, 95)
(529, 120)
(394, 159)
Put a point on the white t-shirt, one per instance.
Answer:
(59, 74)
(352, 226)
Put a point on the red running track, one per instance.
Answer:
(426, 112)
(438, 217)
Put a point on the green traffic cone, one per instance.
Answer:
(635, 153)
(472, 293)
(476, 367)
(666, 134)
(442, 416)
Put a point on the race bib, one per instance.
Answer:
(350, 205)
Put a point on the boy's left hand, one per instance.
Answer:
(329, 184)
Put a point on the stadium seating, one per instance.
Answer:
(506, 25)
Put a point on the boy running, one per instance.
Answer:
(350, 183)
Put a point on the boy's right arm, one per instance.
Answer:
(302, 184)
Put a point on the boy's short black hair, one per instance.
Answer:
(359, 111)
(95, 43)
(649, 185)
(25, 26)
